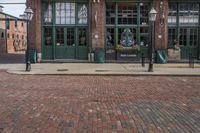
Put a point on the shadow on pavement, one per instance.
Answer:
(12, 58)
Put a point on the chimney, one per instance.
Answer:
(1, 8)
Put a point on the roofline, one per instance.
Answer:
(9, 15)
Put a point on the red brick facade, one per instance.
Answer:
(13, 34)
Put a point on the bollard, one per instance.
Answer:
(191, 60)
(28, 66)
(143, 60)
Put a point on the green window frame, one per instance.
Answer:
(132, 15)
(185, 19)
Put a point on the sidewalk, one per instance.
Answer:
(103, 69)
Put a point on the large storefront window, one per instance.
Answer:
(127, 26)
(183, 21)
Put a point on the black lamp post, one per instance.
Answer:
(152, 19)
(28, 15)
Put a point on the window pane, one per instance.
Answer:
(193, 37)
(65, 13)
(70, 37)
(82, 14)
(172, 17)
(144, 11)
(144, 36)
(110, 13)
(110, 36)
(82, 37)
(189, 13)
(48, 13)
(126, 36)
(183, 37)
(60, 36)
(171, 38)
(127, 13)
(48, 36)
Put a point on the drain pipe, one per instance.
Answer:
(90, 31)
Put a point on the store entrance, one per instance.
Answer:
(71, 43)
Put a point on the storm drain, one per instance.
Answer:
(62, 70)
(101, 70)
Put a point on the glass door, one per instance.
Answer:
(48, 43)
(60, 45)
(70, 43)
(82, 43)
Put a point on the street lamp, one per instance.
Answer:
(28, 15)
(152, 19)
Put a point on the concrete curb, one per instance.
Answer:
(103, 74)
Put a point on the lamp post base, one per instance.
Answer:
(28, 66)
(150, 69)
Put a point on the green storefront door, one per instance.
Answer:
(82, 49)
(189, 42)
(65, 47)
(71, 43)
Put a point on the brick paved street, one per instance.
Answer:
(72, 104)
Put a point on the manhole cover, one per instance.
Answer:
(62, 70)
(101, 70)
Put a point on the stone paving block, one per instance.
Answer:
(92, 104)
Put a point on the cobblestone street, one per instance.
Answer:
(99, 104)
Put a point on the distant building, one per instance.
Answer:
(70, 29)
(12, 33)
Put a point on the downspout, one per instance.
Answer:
(6, 38)
(90, 31)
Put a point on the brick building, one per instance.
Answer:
(13, 33)
(70, 29)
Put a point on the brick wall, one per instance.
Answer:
(35, 25)
(98, 25)
(16, 36)
(161, 24)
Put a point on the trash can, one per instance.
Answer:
(161, 56)
(33, 55)
(99, 55)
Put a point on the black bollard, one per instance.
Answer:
(28, 66)
(143, 60)
(191, 60)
